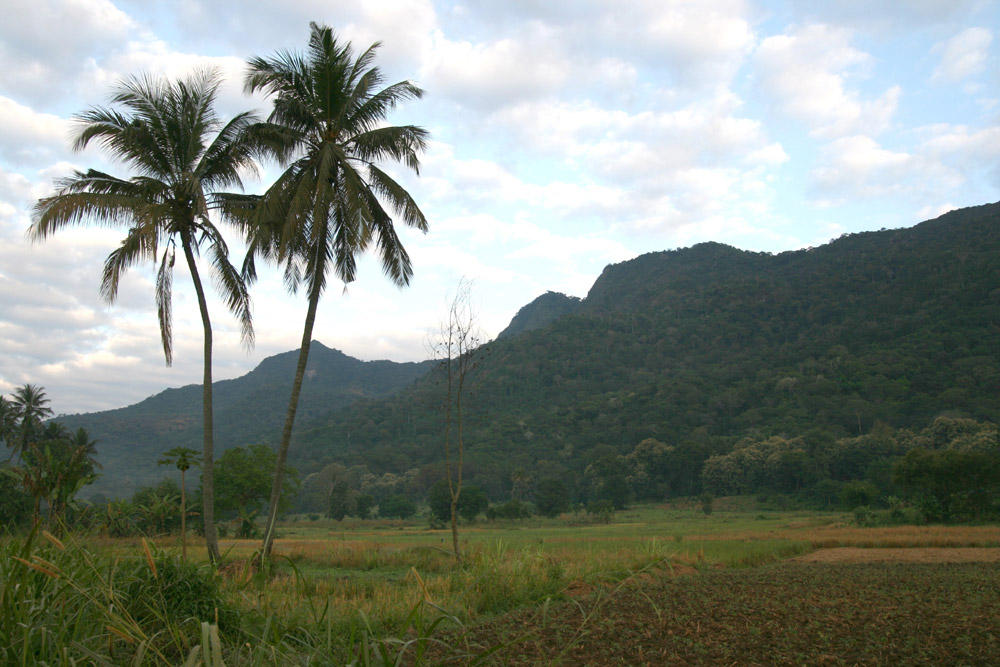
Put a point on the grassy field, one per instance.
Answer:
(370, 591)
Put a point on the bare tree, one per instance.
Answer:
(457, 346)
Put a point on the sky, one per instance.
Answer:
(564, 137)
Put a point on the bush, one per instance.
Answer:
(857, 494)
(512, 509)
(707, 500)
(602, 510)
(551, 497)
(397, 507)
(175, 592)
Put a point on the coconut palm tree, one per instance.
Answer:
(330, 203)
(182, 155)
(183, 459)
(30, 407)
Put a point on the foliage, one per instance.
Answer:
(243, 480)
(951, 484)
(551, 497)
(472, 503)
(700, 348)
(512, 509)
(329, 205)
(182, 154)
(15, 503)
(397, 507)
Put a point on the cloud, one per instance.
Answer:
(963, 55)
(860, 166)
(29, 137)
(807, 72)
(883, 15)
(493, 74)
(52, 43)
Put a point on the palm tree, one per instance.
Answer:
(182, 154)
(184, 459)
(327, 206)
(30, 407)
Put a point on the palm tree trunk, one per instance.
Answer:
(184, 534)
(208, 467)
(293, 404)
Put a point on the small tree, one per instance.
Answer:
(457, 346)
(183, 458)
(551, 497)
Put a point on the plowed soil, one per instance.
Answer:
(891, 611)
(910, 555)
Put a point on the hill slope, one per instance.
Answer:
(711, 343)
(248, 409)
(540, 313)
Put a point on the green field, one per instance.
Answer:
(703, 588)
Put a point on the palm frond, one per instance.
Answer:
(164, 296)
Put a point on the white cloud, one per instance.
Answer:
(860, 166)
(46, 45)
(29, 137)
(807, 71)
(963, 55)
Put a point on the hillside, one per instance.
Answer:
(248, 409)
(539, 313)
(705, 345)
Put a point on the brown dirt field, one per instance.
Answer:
(906, 555)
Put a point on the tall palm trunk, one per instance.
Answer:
(293, 404)
(207, 466)
(184, 533)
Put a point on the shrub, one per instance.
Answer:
(602, 510)
(857, 494)
(397, 507)
(512, 509)
(707, 500)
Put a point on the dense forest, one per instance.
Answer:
(705, 347)
(675, 362)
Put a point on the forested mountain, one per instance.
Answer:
(249, 409)
(690, 352)
(703, 346)
(540, 312)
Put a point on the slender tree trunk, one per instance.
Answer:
(208, 466)
(457, 492)
(293, 404)
(184, 543)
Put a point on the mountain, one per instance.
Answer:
(702, 346)
(249, 409)
(540, 312)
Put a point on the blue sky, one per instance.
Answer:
(565, 136)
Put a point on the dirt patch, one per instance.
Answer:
(906, 555)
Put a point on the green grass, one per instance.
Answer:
(369, 591)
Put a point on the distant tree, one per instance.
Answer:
(397, 507)
(551, 497)
(30, 407)
(243, 480)
(183, 458)
(340, 500)
(54, 466)
(363, 505)
(473, 502)
(951, 484)
(15, 503)
(439, 500)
